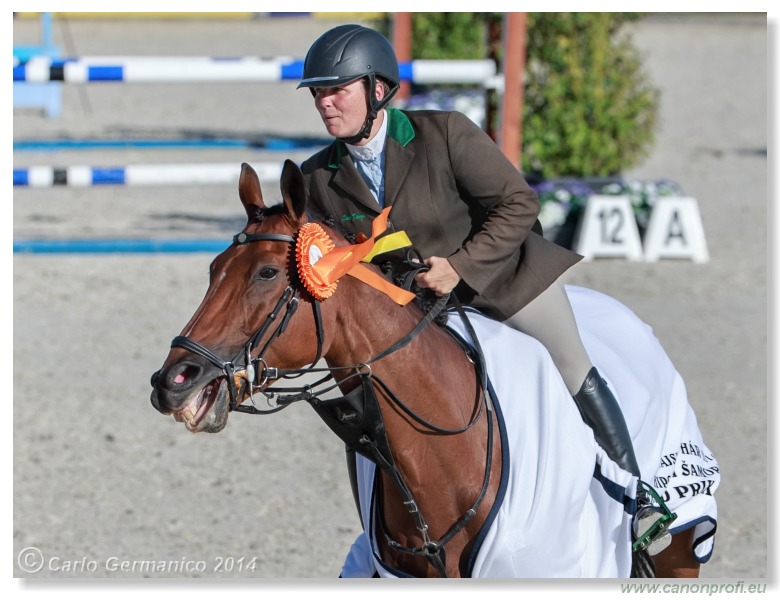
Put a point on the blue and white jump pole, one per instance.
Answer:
(183, 69)
(139, 175)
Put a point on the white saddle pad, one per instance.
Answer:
(564, 504)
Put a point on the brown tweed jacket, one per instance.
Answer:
(457, 196)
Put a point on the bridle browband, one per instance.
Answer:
(340, 413)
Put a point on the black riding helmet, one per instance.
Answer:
(345, 54)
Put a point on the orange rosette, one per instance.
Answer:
(313, 243)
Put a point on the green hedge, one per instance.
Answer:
(589, 109)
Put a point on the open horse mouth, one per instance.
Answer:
(208, 409)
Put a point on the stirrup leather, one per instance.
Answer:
(660, 526)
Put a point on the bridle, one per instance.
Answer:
(250, 369)
(342, 413)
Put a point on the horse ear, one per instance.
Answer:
(294, 191)
(250, 193)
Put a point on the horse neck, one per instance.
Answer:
(435, 379)
(367, 323)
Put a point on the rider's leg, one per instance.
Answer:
(549, 318)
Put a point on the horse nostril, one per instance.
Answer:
(184, 375)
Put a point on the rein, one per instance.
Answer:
(354, 417)
(434, 551)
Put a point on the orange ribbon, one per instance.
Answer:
(346, 260)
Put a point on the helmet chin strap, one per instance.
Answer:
(372, 110)
(364, 132)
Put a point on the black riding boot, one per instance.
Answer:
(600, 410)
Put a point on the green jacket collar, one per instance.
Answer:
(399, 128)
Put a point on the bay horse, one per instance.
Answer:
(417, 404)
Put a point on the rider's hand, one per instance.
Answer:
(441, 278)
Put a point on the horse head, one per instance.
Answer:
(249, 303)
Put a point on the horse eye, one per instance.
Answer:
(267, 273)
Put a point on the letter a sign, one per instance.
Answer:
(675, 231)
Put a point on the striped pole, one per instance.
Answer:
(183, 174)
(268, 143)
(119, 246)
(41, 69)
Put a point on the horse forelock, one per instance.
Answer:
(260, 214)
(263, 215)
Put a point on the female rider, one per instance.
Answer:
(460, 201)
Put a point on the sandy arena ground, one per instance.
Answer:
(99, 474)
